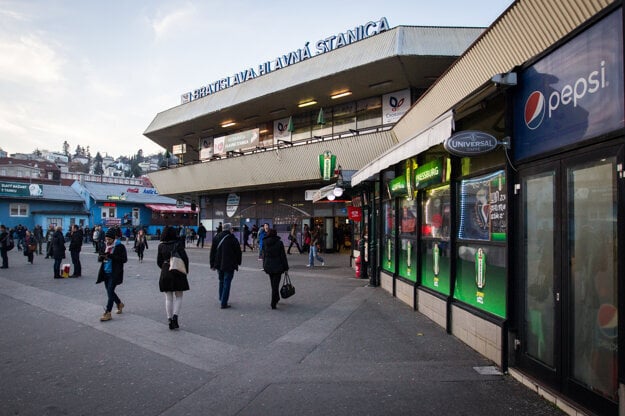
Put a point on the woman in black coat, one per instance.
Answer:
(172, 284)
(58, 251)
(274, 263)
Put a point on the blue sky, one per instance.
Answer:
(95, 73)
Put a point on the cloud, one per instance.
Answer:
(172, 22)
(28, 59)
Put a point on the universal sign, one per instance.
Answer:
(321, 46)
(470, 143)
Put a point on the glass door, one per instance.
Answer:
(568, 268)
(539, 236)
(591, 253)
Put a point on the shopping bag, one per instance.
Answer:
(287, 290)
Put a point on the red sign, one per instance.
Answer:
(110, 204)
(354, 213)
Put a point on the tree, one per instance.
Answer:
(97, 168)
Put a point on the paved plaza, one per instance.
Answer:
(338, 347)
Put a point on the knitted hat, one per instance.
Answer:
(110, 233)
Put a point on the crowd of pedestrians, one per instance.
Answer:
(225, 256)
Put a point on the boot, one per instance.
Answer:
(174, 322)
(171, 323)
(106, 317)
(120, 307)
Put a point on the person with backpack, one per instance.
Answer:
(6, 244)
(171, 282)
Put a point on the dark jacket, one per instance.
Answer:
(58, 245)
(168, 281)
(75, 242)
(274, 261)
(201, 231)
(227, 253)
(119, 257)
(213, 253)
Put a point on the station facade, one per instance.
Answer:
(493, 205)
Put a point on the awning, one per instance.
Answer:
(436, 133)
(169, 208)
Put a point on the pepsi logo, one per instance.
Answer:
(534, 110)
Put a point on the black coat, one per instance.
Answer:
(168, 281)
(75, 242)
(274, 261)
(226, 256)
(58, 245)
(119, 257)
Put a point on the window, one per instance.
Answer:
(18, 210)
(369, 113)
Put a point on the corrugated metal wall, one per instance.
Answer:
(525, 30)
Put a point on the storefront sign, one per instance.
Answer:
(470, 143)
(395, 105)
(20, 189)
(354, 213)
(116, 197)
(232, 204)
(428, 174)
(321, 46)
(397, 186)
(572, 94)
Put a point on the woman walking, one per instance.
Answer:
(171, 283)
(293, 239)
(112, 256)
(141, 244)
(274, 263)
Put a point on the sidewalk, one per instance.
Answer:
(337, 347)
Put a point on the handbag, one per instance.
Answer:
(176, 264)
(287, 290)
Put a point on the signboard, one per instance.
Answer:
(428, 174)
(179, 149)
(20, 189)
(397, 186)
(470, 143)
(395, 105)
(574, 93)
(179, 203)
(327, 164)
(483, 208)
(232, 204)
(281, 130)
(354, 213)
(321, 46)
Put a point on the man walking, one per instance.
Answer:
(201, 233)
(225, 257)
(75, 245)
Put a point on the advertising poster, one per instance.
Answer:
(395, 105)
(435, 266)
(408, 259)
(481, 278)
(435, 231)
(20, 189)
(483, 208)
(388, 251)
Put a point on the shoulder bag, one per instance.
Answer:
(176, 264)
(287, 290)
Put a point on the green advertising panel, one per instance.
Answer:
(388, 258)
(481, 278)
(408, 259)
(388, 249)
(397, 186)
(428, 174)
(20, 189)
(435, 266)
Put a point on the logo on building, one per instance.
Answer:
(395, 103)
(534, 110)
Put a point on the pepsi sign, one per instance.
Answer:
(573, 94)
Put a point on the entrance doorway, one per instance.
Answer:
(568, 265)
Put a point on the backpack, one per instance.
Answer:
(10, 243)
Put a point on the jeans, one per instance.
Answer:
(225, 280)
(76, 261)
(110, 292)
(312, 255)
(57, 267)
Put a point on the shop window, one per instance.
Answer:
(435, 232)
(408, 239)
(481, 252)
(388, 227)
(369, 113)
(18, 210)
(344, 118)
